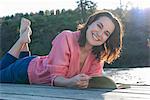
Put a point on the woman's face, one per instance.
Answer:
(99, 31)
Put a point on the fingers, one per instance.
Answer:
(83, 84)
(81, 81)
(30, 31)
(84, 77)
(84, 81)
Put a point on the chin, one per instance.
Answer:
(93, 43)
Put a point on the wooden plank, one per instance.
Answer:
(141, 87)
(136, 90)
(125, 96)
(46, 91)
(29, 97)
(32, 92)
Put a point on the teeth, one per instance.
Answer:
(94, 36)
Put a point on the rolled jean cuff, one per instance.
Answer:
(24, 54)
(6, 60)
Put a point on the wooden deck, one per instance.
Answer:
(137, 76)
(38, 92)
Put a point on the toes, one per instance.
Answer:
(25, 21)
(25, 31)
(30, 31)
(24, 24)
(29, 40)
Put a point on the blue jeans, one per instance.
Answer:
(13, 70)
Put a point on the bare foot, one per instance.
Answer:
(25, 37)
(24, 24)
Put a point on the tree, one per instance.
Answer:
(57, 12)
(7, 17)
(63, 10)
(47, 12)
(86, 7)
(41, 13)
(136, 41)
(26, 15)
(52, 12)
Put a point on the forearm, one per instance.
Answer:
(61, 81)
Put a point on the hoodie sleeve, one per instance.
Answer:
(59, 56)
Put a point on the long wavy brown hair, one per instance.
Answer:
(111, 49)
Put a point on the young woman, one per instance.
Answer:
(75, 57)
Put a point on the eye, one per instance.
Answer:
(107, 34)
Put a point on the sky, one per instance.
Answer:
(10, 7)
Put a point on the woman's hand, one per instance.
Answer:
(79, 81)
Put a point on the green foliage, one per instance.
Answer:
(46, 25)
(135, 46)
(85, 7)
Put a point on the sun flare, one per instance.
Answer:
(142, 4)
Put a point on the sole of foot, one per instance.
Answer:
(25, 37)
(24, 24)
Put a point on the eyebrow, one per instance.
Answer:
(101, 24)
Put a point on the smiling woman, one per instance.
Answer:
(73, 59)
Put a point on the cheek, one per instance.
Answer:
(104, 40)
(92, 27)
(105, 37)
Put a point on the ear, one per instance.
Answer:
(105, 47)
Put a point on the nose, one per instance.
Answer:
(99, 34)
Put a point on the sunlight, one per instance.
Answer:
(145, 4)
(141, 4)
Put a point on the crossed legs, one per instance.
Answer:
(13, 70)
(20, 45)
(22, 42)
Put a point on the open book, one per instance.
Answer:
(105, 82)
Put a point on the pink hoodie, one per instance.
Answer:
(63, 60)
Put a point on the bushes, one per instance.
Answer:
(46, 27)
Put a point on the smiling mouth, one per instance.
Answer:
(94, 35)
